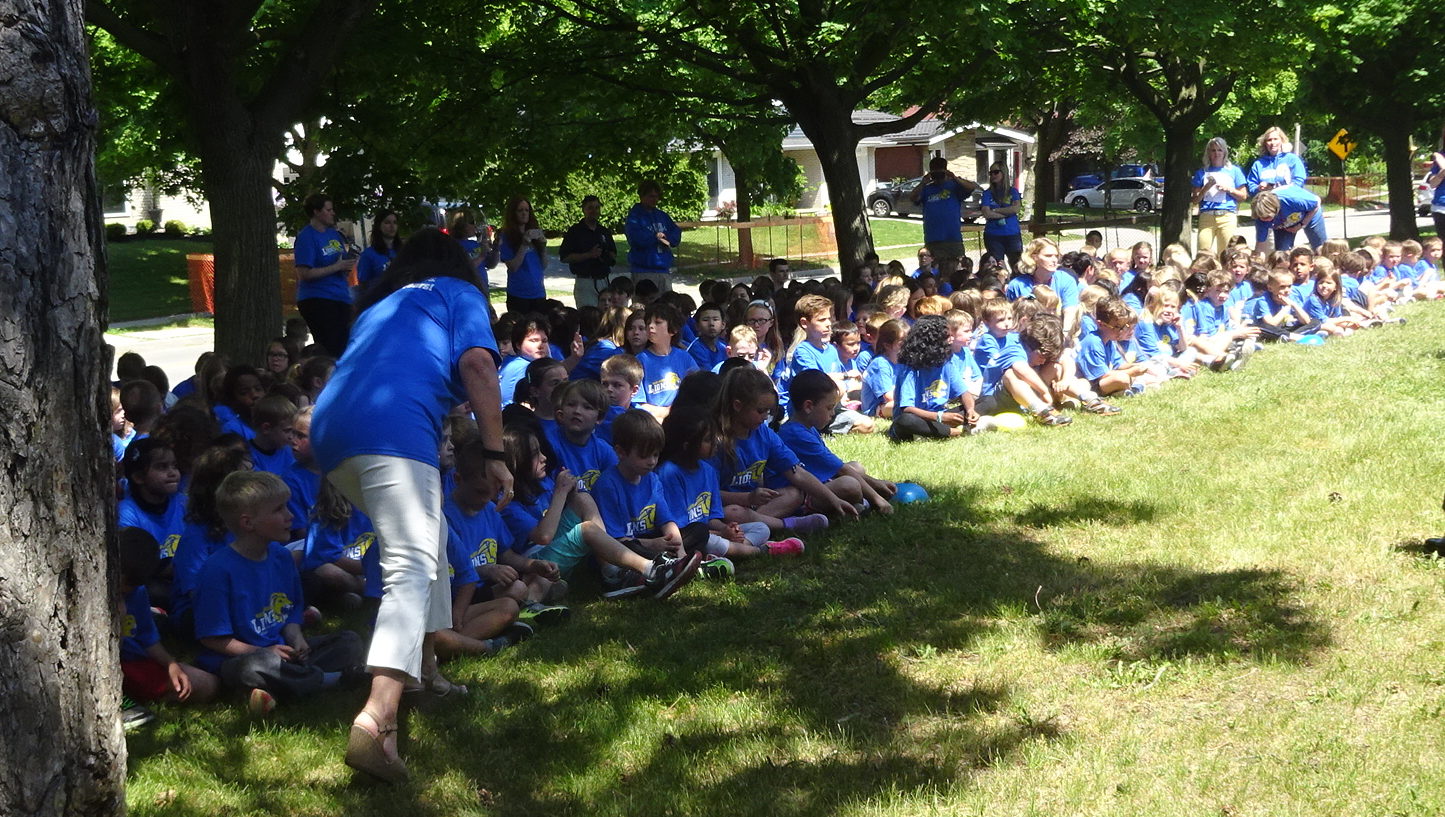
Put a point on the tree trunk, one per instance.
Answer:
(744, 214)
(1180, 161)
(61, 748)
(837, 154)
(1052, 126)
(1395, 133)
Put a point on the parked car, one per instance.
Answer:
(1139, 194)
(890, 199)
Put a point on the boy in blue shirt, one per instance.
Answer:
(813, 400)
(708, 349)
(580, 406)
(1103, 359)
(1008, 380)
(634, 506)
(1279, 316)
(149, 672)
(274, 418)
(815, 352)
(664, 364)
(249, 604)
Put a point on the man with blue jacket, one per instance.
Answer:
(651, 235)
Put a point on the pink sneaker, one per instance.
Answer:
(792, 546)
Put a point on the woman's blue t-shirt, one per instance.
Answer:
(1001, 226)
(316, 249)
(1216, 200)
(526, 281)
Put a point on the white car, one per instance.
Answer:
(1424, 196)
(1143, 195)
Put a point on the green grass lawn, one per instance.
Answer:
(148, 278)
(1214, 603)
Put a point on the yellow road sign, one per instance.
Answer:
(1342, 144)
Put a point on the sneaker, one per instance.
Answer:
(716, 569)
(1134, 390)
(516, 633)
(792, 546)
(536, 611)
(807, 524)
(260, 703)
(133, 716)
(1101, 408)
(1052, 417)
(667, 575)
(625, 582)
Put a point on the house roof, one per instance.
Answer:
(927, 131)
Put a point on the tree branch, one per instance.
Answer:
(134, 37)
(308, 58)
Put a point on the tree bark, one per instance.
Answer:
(1395, 133)
(1052, 126)
(836, 144)
(1180, 161)
(744, 214)
(61, 748)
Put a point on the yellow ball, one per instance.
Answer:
(1010, 421)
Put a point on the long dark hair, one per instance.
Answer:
(378, 242)
(514, 230)
(429, 253)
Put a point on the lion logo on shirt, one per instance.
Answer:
(668, 382)
(646, 520)
(589, 478)
(127, 627)
(274, 613)
(333, 247)
(753, 475)
(937, 390)
(485, 554)
(700, 509)
(168, 548)
(358, 548)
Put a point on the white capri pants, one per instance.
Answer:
(403, 498)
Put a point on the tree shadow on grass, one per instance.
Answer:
(1088, 509)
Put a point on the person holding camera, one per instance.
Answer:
(323, 276)
(941, 196)
(588, 248)
(524, 251)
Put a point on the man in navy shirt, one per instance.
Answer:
(941, 197)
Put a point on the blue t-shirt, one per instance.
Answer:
(513, 370)
(371, 265)
(1318, 310)
(761, 454)
(1154, 340)
(138, 629)
(459, 564)
(305, 486)
(930, 389)
(1203, 318)
(995, 355)
(231, 423)
(1216, 200)
(632, 511)
(1302, 292)
(278, 462)
(662, 375)
(1402, 272)
(316, 249)
(1294, 204)
(1001, 226)
(1257, 309)
(526, 281)
(522, 517)
(326, 544)
(482, 536)
(1065, 285)
(1282, 170)
(194, 548)
(1242, 292)
(967, 366)
(807, 356)
(693, 495)
(708, 358)
(590, 366)
(942, 205)
(586, 461)
(400, 375)
(247, 600)
(166, 526)
(1096, 357)
(808, 446)
(878, 381)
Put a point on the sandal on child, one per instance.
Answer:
(365, 753)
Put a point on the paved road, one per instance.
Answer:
(176, 350)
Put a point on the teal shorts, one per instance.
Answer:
(567, 548)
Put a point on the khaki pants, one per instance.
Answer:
(1216, 229)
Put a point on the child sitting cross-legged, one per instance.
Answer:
(274, 418)
(149, 672)
(1276, 313)
(1008, 380)
(691, 485)
(813, 401)
(1104, 359)
(338, 537)
(580, 405)
(929, 382)
(882, 373)
(249, 604)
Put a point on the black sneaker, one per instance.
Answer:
(516, 633)
(133, 716)
(667, 574)
(625, 582)
(539, 613)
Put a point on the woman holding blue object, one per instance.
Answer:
(323, 266)
(422, 346)
(1219, 186)
(1276, 167)
(651, 236)
(1001, 204)
(524, 251)
(380, 252)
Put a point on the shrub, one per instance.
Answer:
(144, 226)
(175, 229)
(115, 232)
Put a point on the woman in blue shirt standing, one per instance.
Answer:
(1219, 186)
(423, 345)
(323, 285)
(381, 252)
(1277, 166)
(1001, 204)
(524, 251)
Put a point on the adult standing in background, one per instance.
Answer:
(1276, 167)
(1001, 204)
(651, 236)
(476, 243)
(323, 280)
(1219, 186)
(524, 251)
(423, 346)
(380, 252)
(1435, 180)
(589, 250)
(941, 196)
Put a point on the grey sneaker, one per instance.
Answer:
(539, 613)
(667, 574)
(626, 582)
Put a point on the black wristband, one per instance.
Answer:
(489, 454)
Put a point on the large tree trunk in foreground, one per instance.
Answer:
(61, 748)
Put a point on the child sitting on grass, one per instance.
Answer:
(529, 343)
(1276, 313)
(338, 537)
(240, 389)
(205, 530)
(274, 418)
(814, 398)
(664, 362)
(1104, 360)
(580, 405)
(249, 604)
(882, 374)
(929, 382)
(1009, 381)
(153, 499)
(708, 349)
(149, 673)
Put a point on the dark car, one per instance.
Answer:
(890, 199)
